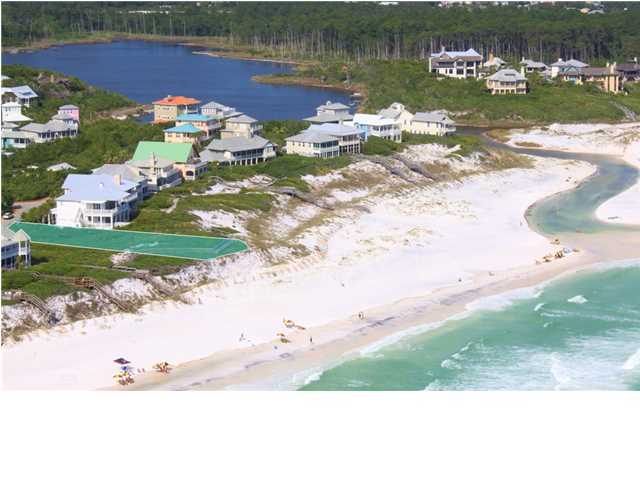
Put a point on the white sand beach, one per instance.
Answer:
(409, 244)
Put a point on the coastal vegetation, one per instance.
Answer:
(26, 176)
(408, 82)
(347, 30)
(55, 89)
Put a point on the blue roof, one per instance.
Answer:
(186, 128)
(96, 187)
(193, 117)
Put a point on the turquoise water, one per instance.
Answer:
(576, 333)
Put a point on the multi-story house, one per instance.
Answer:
(331, 112)
(349, 138)
(239, 151)
(507, 82)
(432, 123)
(159, 172)
(97, 201)
(12, 112)
(629, 72)
(126, 172)
(209, 124)
(309, 143)
(185, 133)
(16, 249)
(169, 108)
(377, 126)
(568, 69)
(607, 78)
(216, 109)
(23, 95)
(50, 131)
(181, 154)
(240, 126)
(399, 113)
(456, 64)
(531, 66)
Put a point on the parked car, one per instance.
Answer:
(7, 216)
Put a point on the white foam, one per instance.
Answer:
(577, 299)
(632, 362)
(538, 307)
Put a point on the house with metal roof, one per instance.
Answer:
(377, 126)
(209, 124)
(311, 143)
(399, 113)
(349, 138)
(181, 154)
(507, 82)
(494, 62)
(96, 201)
(456, 64)
(567, 68)
(606, 78)
(50, 131)
(72, 111)
(184, 133)
(219, 110)
(531, 66)
(629, 72)
(331, 112)
(160, 172)
(239, 151)
(240, 126)
(128, 173)
(432, 123)
(16, 249)
(23, 95)
(12, 112)
(167, 109)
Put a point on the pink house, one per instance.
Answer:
(70, 110)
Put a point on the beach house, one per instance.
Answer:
(97, 201)
(128, 173)
(23, 95)
(456, 64)
(331, 112)
(50, 131)
(209, 124)
(310, 143)
(240, 126)
(432, 123)
(377, 126)
(185, 133)
(568, 70)
(181, 154)
(629, 72)
(159, 172)
(12, 112)
(531, 66)
(606, 78)
(16, 249)
(399, 113)
(349, 138)
(167, 109)
(507, 82)
(239, 151)
(216, 109)
(494, 63)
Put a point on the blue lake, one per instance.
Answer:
(147, 71)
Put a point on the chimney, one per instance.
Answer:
(522, 71)
(101, 185)
(117, 179)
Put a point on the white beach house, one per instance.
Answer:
(216, 109)
(50, 131)
(399, 113)
(238, 151)
(128, 173)
(456, 64)
(309, 143)
(377, 126)
(432, 123)
(12, 112)
(567, 68)
(23, 94)
(160, 172)
(331, 112)
(240, 126)
(507, 82)
(349, 138)
(97, 201)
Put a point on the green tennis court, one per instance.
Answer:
(160, 244)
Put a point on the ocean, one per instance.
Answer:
(578, 332)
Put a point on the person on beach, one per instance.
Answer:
(310, 339)
(361, 316)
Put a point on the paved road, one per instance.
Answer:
(19, 208)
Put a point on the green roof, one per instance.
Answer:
(176, 152)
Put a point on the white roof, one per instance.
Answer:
(238, 144)
(468, 53)
(532, 64)
(334, 129)
(435, 117)
(309, 136)
(507, 75)
(23, 91)
(95, 188)
(326, 117)
(50, 126)
(569, 63)
(494, 62)
(61, 166)
(127, 172)
(333, 106)
(372, 119)
(242, 119)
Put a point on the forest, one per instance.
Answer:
(354, 31)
